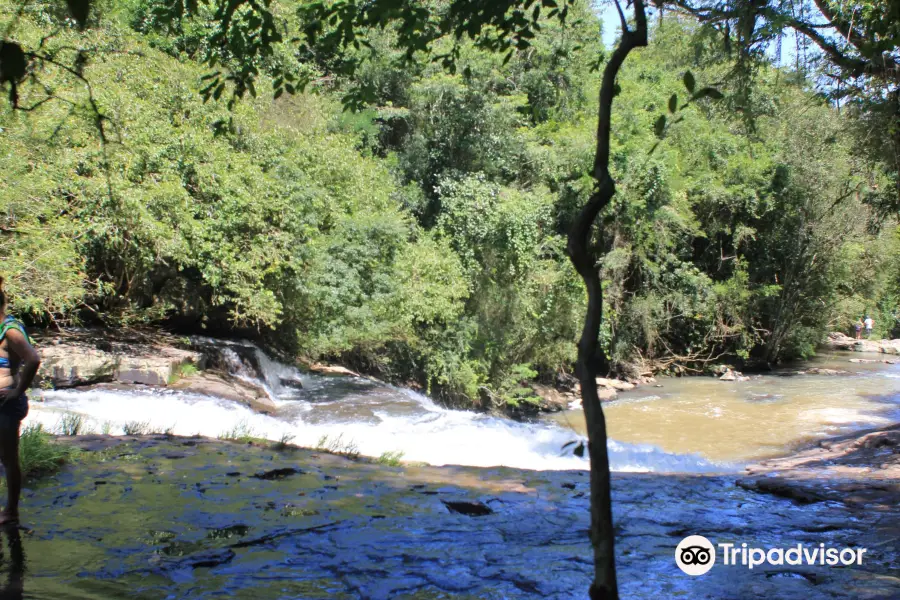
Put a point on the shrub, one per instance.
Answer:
(39, 454)
(183, 370)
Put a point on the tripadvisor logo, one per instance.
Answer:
(696, 555)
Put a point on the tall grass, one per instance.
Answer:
(136, 428)
(284, 442)
(391, 459)
(242, 432)
(71, 424)
(39, 454)
(337, 445)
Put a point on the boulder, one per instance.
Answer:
(720, 369)
(332, 370)
(552, 400)
(890, 346)
(292, 381)
(236, 390)
(66, 365)
(616, 384)
(820, 371)
(731, 375)
(158, 368)
(839, 341)
(237, 358)
(607, 394)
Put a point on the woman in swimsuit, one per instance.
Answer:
(19, 363)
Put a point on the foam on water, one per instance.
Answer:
(374, 417)
(435, 435)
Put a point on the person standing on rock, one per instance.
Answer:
(869, 323)
(19, 363)
(858, 327)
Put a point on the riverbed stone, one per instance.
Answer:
(616, 384)
(822, 371)
(552, 400)
(217, 385)
(332, 370)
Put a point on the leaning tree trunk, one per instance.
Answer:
(590, 356)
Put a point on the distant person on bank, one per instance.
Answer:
(858, 327)
(869, 323)
(19, 363)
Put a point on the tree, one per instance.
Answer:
(857, 54)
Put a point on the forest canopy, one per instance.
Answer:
(422, 236)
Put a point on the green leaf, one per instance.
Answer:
(689, 82)
(673, 103)
(660, 126)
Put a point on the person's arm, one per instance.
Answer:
(17, 344)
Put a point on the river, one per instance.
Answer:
(693, 424)
(187, 519)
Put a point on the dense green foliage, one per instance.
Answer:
(424, 236)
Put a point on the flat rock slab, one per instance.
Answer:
(79, 363)
(184, 528)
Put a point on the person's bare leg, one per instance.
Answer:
(9, 454)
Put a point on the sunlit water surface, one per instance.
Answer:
(696, 424)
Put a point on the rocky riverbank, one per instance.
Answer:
(118, 359)
(839, 341)
(154, 517)
(860, 469)
(121, 360)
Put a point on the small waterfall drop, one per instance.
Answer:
(369, 416)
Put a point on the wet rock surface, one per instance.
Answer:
(195, 527)
(860, 469)
(237, 390)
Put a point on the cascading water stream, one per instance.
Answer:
(370, 416)
(689, 425)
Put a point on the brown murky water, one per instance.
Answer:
(766, 416)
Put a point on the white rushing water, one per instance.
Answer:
(373, 417)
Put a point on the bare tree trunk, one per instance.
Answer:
(590, 357)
